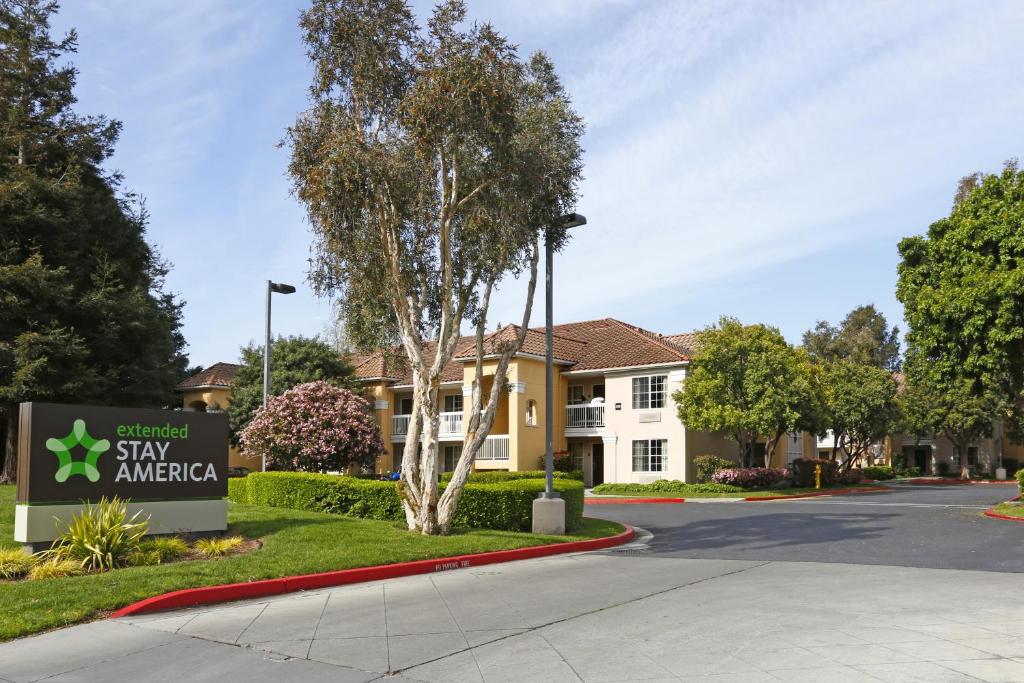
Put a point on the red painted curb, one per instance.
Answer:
(995, 515)
(630, 501)
(289, 584)
(817, 494)
(960, 482)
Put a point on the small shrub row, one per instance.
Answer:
(850, 477)
(667, 486)
(707, 465)
(749, 477)
(878, 472)
(493, 477)
(1020, 480)
(496, 504)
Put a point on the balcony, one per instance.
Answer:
(584, 418)
(450, 426)
(495, 447)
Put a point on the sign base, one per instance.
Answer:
(35, 524)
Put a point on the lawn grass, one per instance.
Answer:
(295, 542)
(742, 494)
(1011, 509)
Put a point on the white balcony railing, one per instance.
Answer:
(584, 416)
(494, 448)
(400, 424)
(450, 424)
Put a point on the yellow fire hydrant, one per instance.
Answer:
(817, 476)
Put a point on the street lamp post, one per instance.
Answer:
(549, 508)
(280, 288)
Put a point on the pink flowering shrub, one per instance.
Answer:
(851, 476)
(749, 477)
(314, 427)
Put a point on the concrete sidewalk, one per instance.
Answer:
(612, 616)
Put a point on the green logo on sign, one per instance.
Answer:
(69, 466)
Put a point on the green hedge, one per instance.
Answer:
(238, 490)
(495, 476)
(338, 495)
(878, 472)
(1020, 480)
(667, 486)
(506, 505)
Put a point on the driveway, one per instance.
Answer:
(939, 527)
(671, 608)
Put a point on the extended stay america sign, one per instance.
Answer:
(71, 453)
(172, 465)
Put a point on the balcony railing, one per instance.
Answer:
(450, 424)
(584, 416)
(495, 447)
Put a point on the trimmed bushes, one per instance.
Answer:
(493, 477)
(707, 465)
(878, 472)
(509, 505)
(803, 472)
(667, 486)
(1020, 480)
(851, 477)
(749, 477)
(324, 493)
(238, 490)
(506, 505)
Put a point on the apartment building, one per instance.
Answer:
(613, 409)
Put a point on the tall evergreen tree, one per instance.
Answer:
(83, 311)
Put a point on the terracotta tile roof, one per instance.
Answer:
(591, 345)
(563, 348)
(684, 341)
(611, 343)
(217, 375)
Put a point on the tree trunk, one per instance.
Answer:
(10, 470)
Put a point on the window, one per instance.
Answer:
(650, 455)
(972, 456)
(450, 457)
(453, 403)
(405, 406)
(575, 394)
(531, 413)
(576, 453)
(598, 390)
(794, 446)
(649, 392)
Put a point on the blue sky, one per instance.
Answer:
(758, 159)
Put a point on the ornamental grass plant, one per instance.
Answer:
(101, 537)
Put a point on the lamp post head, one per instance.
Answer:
(281, 288)
(572, 220)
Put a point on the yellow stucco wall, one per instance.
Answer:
(213, 398)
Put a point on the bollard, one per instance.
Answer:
(817, 476)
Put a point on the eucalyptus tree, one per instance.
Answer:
(431, 163)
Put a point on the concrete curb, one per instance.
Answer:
(631, 501)
(289, 584)
(818, 494)
(991, 512)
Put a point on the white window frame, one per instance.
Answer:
(576, 394)
(576, 452)
(450, 449)
(644, 398)
(644, 450)
(531, 413)
(453, 403)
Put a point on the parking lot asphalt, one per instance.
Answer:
(938, 527)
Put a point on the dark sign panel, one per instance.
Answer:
(70, 453)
